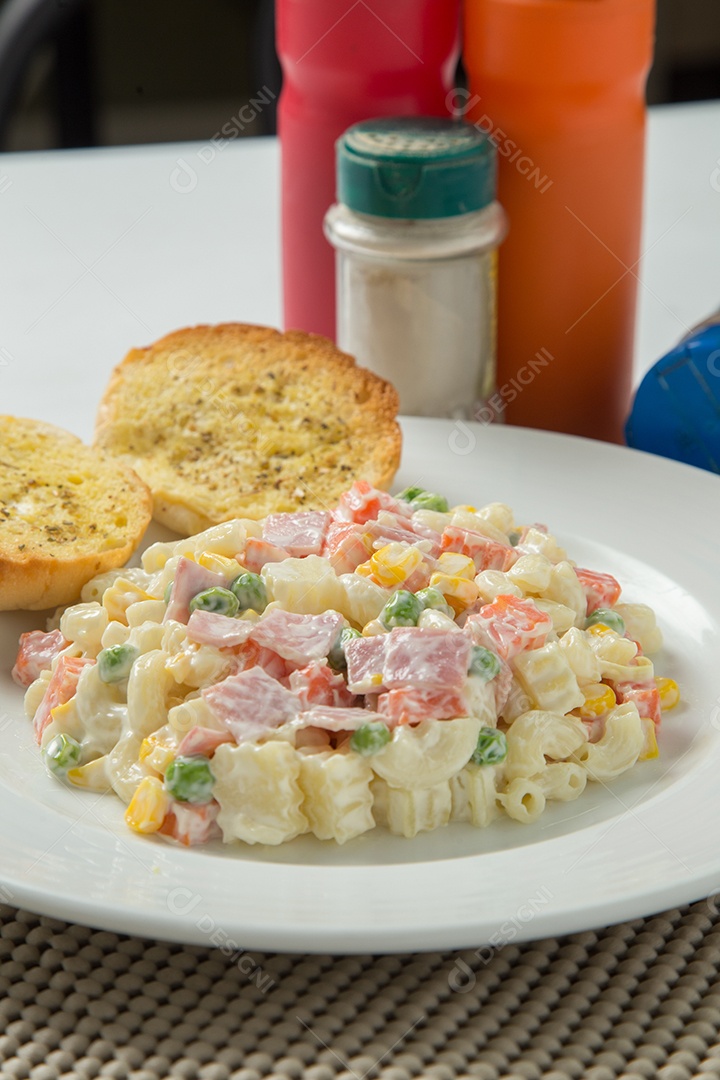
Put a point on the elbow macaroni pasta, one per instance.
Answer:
(576, 702)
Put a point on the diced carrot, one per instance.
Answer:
(486, 554)
(601, 590)
(510, 625)
(61, 688)
(409, 705)
(645, 695)
(202, 740)
(318, 684)
(36, 654)
(191, 823)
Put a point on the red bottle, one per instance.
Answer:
(343, 63)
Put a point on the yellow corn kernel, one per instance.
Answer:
(456, 565)
(364, 570)
(219, 564)
(394, 563)
(157, 752)
(598, 629)
(148, 806)
(92, 776)
(668, 689)
(60, 712)
(146, 748)
(458, 591)
(599, 699)
(650, 749)
(463, 508)
(118, 598)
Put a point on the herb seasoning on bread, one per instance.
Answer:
(243, 421)
(67, 513)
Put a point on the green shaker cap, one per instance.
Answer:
(415, 167)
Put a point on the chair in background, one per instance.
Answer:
(25, 26)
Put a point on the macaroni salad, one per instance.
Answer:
(393, 662)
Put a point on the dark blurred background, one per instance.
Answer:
(109, 72)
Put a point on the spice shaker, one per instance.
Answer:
(416, 227)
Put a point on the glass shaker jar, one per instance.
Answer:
(416, 228)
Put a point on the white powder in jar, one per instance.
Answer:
(428, 326)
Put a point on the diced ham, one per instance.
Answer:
(601, 590)
(190, 579)
(408, 656)
(362, 502)
(411, 705)
(318, 684)
(502, 686)
(509, 626)
(645, 695)
(299, 534)
(36, 654)
(337, 719)
(299, 638)
(424, 532)
(537, 527)
(192, 823)
(595, 728)
(365, 663)
(427, 659)
(202, 740)
(258, 552)
(61, 688)
(346, 546)
(251, 703)
(389, 529)
(220, 631)
(349, 544)
(486, 554)
(420, 578)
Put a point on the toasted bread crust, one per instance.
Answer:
(66, 513)
(237, 420)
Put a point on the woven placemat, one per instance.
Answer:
(635, 1001)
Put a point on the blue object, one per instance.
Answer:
(676, 412)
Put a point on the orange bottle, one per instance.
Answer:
(560, 84)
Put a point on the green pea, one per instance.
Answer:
(514, 538)
(411, 493)
(62, 753)
(484, 662)
(402, 609)
(217, 599)
(250, 591)
(190, 779)
(369, 738)
(420, 499)
(491, 747)
(336, 657)
(115, 662)
(433, 598)
(429, 501)
(609, 618)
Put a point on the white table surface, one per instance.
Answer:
(102, 250)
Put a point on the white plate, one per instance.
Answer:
(647, 842)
